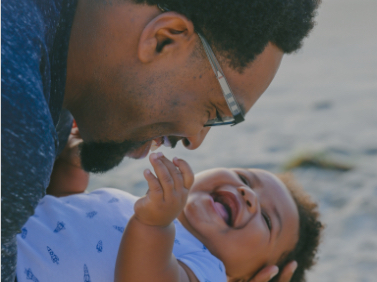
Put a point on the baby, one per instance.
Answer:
(228, 226)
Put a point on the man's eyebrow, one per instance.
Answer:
(277, 214)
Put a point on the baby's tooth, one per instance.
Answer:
(154, 146)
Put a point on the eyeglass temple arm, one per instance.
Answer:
(232, 103)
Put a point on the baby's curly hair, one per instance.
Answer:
(310, 229)
(240, 30)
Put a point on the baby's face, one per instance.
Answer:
(245, 217)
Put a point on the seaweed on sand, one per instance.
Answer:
(320, 160)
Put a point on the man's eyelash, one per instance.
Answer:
(268, 220)
(218, 116)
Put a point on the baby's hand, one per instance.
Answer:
(70, 153)
(167, 192)
(68, 177)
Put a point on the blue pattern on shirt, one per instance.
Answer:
(54, 257)
(99, 246)
(91, 214)
(23, 233)
(60, 226)
(30, 275)
(119, 228)
(86, 274)
(113, 200)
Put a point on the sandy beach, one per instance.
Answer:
(323, 101)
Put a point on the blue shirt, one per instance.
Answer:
(34, 39)
(77, 238)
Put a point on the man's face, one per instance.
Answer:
(122, 105)
(245, 217)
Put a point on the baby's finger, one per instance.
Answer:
(162, 173)
(185, 169)
(288, 272)
(266, 274)
(155, 190)
(174, 172)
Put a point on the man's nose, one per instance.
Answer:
(195, 141)
(250, 198)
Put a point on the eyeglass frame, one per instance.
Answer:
(234, 107)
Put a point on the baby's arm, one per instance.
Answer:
(67, 175)
(145, 253)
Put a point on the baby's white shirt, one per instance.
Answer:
(76, 238)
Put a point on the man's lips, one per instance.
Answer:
(153, 145)
(227, 206)
(156, 143)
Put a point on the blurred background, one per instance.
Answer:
(318, 119)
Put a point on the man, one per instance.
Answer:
(131, 74)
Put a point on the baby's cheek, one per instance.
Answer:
(252, 240)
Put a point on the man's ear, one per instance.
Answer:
(166, 33)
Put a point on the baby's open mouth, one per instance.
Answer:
(227, 205)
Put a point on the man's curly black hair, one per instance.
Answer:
(239, 30)
(310, 229)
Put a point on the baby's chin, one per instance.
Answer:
(242, 269)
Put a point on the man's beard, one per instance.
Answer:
(99, 157)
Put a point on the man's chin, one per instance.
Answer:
(101, 157)
(139, 153)
(100, 166)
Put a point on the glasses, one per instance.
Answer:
(234, 107)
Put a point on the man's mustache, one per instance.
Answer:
(174, 140)
(99, 157)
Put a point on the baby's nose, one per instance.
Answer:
(250, 198)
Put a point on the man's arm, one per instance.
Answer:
(27, 131)
(145, 252)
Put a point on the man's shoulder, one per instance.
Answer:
(28, 29)
(20, 19)
(22, 48)
(26, 77)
